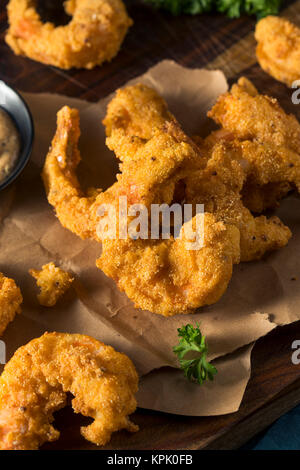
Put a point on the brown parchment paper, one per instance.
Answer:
(212, 399)
(260, 295)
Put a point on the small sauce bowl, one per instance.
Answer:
(15, 106)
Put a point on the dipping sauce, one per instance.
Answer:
(9, 145)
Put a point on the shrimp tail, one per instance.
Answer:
(75, 211)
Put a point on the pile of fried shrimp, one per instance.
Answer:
(238, 172)
(245, 167)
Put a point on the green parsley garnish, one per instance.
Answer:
(197, 368)
(232, 8)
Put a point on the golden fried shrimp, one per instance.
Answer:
(145, 178)
(53, 282)
(161, 165)
(94, 34)
(257, 196)
(278, 48)
(168, 278)
(36, 380)
(75, 211)
(151, 173)
(133, 116)
(155, 153)
(269, 137)
(124, 117)
(219, 188)
(249, 115)
(10, 301)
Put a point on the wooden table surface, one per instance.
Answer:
(274, 386)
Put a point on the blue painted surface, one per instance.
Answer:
(284, 434)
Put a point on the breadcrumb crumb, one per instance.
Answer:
(53, 283)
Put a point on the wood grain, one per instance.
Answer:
(193, 42)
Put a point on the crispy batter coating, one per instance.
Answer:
(219, 188)
(36, 380)
(74, 210)
(94, 34)
(132, 118)
(165, 277)
(250, 116)
(278, 48)
(269, 139)
(10, 301)
(53, 283)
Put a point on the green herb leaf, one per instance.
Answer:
(232, 8)
(197, 369)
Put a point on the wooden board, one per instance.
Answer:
(197, 41)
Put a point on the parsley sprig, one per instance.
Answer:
(232, 8)
(197, 369)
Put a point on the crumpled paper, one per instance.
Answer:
(260, 296)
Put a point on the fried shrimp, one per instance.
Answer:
(268, 137)
(53, 282)
(156, 158)
(219, 187)
(160, 165)
(132, 118)
(36, 380)
(10, 301)
(94, 34)
(145, 178)
(220, 193)
(248, 115)
(278, 48)
(74, 210)
(167, 277)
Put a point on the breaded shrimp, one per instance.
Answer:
(149, 177)
(53, 283)
(75, 211)
(94, 34)
(219, 188)
(155, 152)
(150, 174)
(166, 277)
(269, 139)
(10, 301)
(123, 124)
(133, 117)
(278, 48)
(256, 195)
(161, 165)
(248, 115)
(36, 380)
